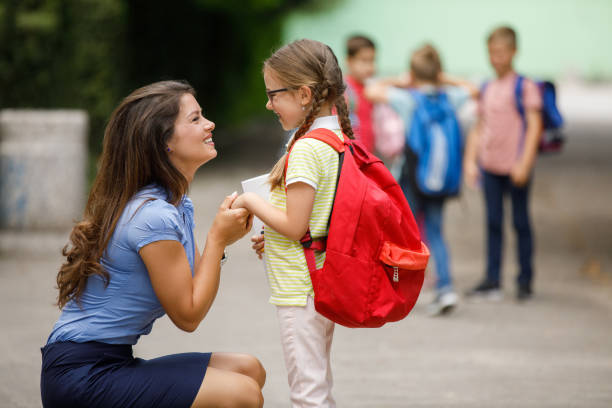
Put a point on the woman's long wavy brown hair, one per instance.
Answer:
(133, 156)
(313, 64)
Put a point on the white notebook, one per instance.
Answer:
(258, 185)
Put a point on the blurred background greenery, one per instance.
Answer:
(556, 38)
(88, 54)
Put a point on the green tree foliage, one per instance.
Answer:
(88, 54)
(62, 54)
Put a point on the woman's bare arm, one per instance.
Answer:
(188, 299)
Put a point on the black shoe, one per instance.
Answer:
(524, 293)
(486, 289)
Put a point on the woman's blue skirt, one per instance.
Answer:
(94, 374)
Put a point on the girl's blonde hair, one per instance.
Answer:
(313, 64)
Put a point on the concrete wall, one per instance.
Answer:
(42, 168)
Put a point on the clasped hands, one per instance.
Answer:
(233, 221)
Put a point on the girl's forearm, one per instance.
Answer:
(377, 92)
(472, 89)
(275, 218)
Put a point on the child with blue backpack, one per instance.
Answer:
(433, 155)
(501, 150)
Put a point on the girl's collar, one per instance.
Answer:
(327, 122)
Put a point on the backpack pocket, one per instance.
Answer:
(403, 258)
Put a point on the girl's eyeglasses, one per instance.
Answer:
(274, 92)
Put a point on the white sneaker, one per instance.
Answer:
(443, 304)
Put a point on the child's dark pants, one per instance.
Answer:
(495, 186)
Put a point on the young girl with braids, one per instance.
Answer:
(303, 83)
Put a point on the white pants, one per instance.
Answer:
(306, 338)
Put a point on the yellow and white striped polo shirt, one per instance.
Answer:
(315, 163)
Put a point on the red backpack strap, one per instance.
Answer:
(324, 135)
(309, 246)
(330, 138)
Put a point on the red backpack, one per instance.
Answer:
(375, 260)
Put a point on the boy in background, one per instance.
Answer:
(504, 148)
(360, 63)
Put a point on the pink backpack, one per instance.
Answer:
(389, 131)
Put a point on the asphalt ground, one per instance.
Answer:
(553, 351)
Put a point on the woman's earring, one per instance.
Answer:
(303, 108)
(168, 149)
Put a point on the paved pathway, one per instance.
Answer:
(555, 351)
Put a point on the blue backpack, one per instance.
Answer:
(552, 138)
(434, 146)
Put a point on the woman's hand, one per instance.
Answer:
(230, 224)
(258, 244)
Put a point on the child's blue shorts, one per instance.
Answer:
(104, 375)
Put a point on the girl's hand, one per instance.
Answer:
(241, 201)
(229, 224)
(443, 79)
(377, 92)
(258, 244)
(404, 81)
